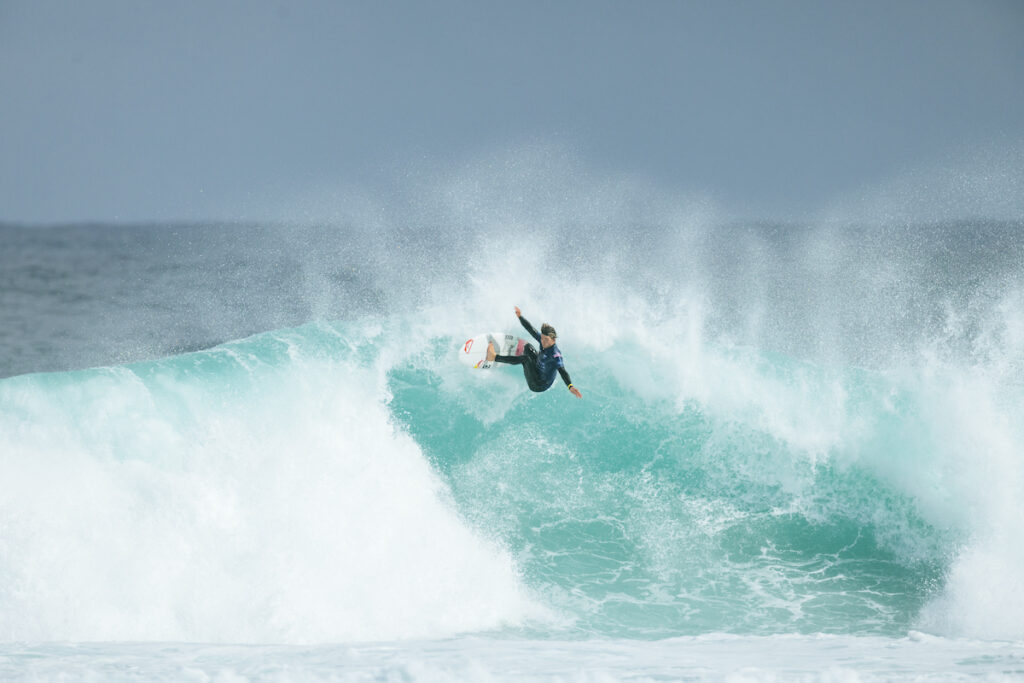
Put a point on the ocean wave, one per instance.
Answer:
(352, 481)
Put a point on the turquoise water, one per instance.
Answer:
(642, 518)
(235, 493)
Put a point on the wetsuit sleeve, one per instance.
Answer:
(565, 376)
(529, 328)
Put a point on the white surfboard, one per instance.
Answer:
(474, 352)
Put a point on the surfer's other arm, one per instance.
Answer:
(568, 383)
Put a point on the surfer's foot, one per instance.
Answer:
(490, 352)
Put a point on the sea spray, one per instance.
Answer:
(980, 440)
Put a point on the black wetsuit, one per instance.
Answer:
(539, 368)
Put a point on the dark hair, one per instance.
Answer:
(549, 331)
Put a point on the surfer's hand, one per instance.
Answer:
(519, 314)
(575, 392)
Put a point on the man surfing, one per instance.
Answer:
(539, 368)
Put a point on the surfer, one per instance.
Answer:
(539, 368)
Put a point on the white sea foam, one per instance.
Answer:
(712, 657)
(249, 504)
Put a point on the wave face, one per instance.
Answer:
(784, 430)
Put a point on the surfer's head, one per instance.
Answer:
(547, 335)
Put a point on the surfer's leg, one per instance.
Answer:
(529, 356)
(533, 380)
(529, 362)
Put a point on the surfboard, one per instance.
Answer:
(474, 351)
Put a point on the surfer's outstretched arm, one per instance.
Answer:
(526, 324)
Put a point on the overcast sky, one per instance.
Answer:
(190, 110)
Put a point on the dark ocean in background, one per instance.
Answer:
(87, 295)
(261, 434)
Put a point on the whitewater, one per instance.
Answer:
(249, 451)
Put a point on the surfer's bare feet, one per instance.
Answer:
(490, 352)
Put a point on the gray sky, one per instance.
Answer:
(189, 110)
